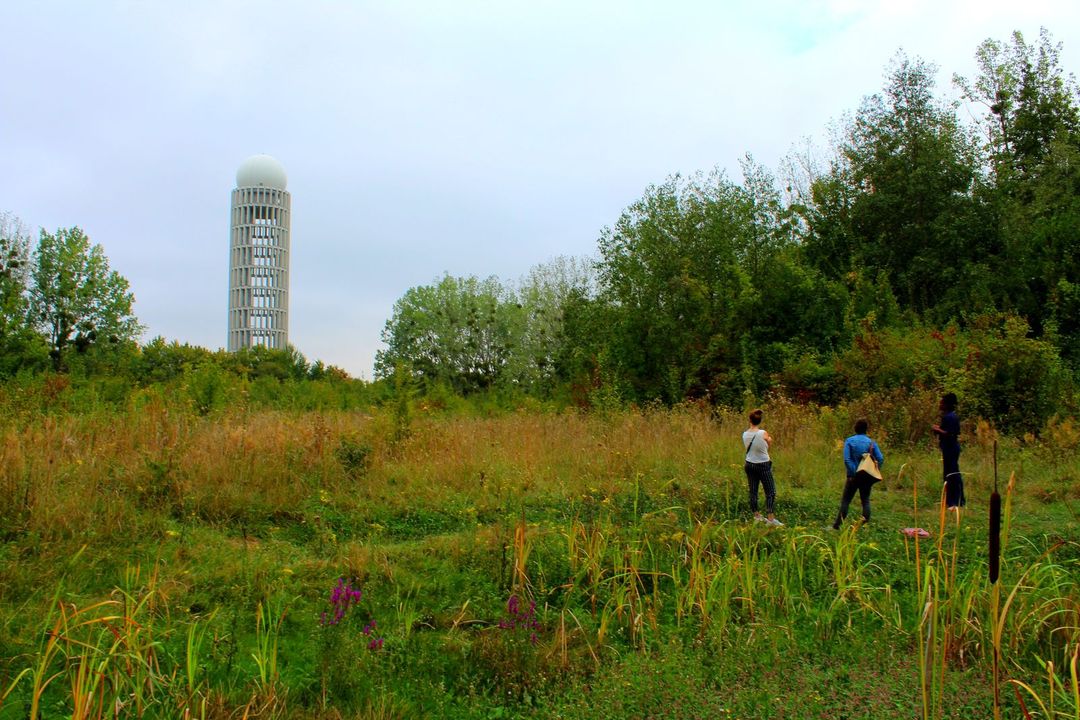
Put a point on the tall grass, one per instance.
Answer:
(628, 530)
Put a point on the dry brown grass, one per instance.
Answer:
(63, 474)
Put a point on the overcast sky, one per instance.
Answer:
(421, 138)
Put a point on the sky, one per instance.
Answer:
(422, 137)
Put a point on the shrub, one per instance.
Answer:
(353, 455)
(1015, 381)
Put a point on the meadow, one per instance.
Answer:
(156, 562)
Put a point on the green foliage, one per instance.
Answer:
(546, 296)
(459, 331)
(913, 167)
(1000, 373)
(20, 347)
(1011, 379)
(160, 361)
(1032, 129)
(75, 299)
(353, 455)
(861, 280)
(806, 378)
(672, 268)
(207, 388)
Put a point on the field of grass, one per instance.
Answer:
(158, 564)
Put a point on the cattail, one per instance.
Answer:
(995, 536)
(994, 544)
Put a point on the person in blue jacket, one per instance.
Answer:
(854, 448)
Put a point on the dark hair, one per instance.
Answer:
(861, 426)
(755, 417)
(949, 401)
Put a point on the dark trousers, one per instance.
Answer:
(761, 474)
(954, 480)
(853, 484)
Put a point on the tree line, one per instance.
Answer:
(69, 340)
(933, 244)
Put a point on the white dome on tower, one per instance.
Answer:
(261, 171)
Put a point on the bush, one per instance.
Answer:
(1015, 381)
(353, 455)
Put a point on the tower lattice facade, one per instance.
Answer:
(259, 256)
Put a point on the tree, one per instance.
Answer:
(1032, 131)
(545, 296)
(1030, 101)
(75, 299)
(913, 168)
(20, 346)
(460, 331)
(14, 267)
(670, 270)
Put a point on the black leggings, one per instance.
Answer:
(761, 473)
(954, 480)
(853, 484)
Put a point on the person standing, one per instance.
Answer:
(854, 448)
(948, 432)
(758, 467)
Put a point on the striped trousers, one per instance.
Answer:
(761, 474)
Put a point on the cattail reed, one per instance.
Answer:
(994, 545)
(995, 536)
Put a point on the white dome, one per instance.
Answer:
(261, 171)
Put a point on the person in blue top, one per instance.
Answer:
(948, 432)
(854, 448)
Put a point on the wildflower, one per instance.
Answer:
(342, 597)
(519, 617)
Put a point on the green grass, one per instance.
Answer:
(221, 539)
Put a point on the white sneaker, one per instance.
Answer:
(774, 523)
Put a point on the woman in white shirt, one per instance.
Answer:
(759, 468)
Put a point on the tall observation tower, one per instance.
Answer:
(259, 256)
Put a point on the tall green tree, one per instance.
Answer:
(913, 169)
(1030, 102)
(670, 268)
(1032, 142)
(545, 296)
(19, 345)
(460, 332)
(75, 299)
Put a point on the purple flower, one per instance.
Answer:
(519, 617)
(342, 597)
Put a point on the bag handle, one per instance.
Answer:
(750, 446)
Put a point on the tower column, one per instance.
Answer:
(259, 256)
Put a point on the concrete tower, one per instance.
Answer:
(259, 256)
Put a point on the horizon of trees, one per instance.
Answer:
(915, 230)
(918, 252)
